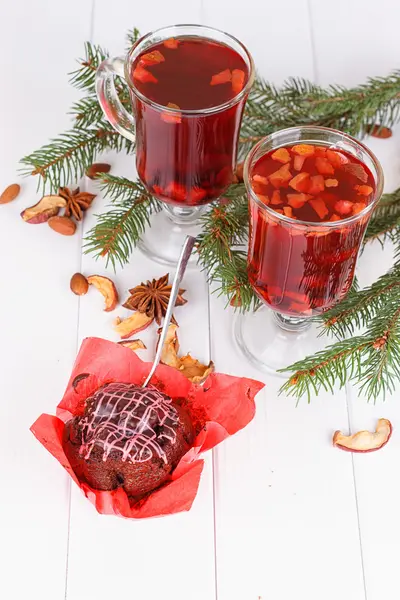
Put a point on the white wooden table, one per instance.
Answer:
(280, 514)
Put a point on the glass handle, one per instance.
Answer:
(107, 95)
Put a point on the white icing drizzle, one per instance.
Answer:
(124, 417)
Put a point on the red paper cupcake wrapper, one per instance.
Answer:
(224, 404)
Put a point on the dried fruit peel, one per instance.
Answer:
(42, 211)
(132, 325)
(107, 288)
(190, 367)
(364, 441)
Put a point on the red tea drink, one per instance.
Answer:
(296, 267)
(188, 158)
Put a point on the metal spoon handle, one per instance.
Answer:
(180, 271)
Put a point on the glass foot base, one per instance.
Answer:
(271, 341)
(163, 240)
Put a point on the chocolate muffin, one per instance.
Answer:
(128, 437)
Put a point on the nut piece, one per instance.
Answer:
(133, 344)
(10, 193)
(189, 367)
(62, 225)
(364, 441)
(97, 168)
(127, 327)
(41, 212)
(79, 284)
(107, 288)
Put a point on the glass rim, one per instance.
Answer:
(314, 224)
(197, 111)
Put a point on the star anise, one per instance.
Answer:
(77, 202)
(152, 298)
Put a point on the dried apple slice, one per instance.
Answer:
(280, 177)
(364, 441)
(324, 166)
(300, 182)
(222, 77)
(189, 367)
(132, 325)
(41, 212)
(107, 288)
(133, 344)
(143, 75)
(238, 78)
(281, 155)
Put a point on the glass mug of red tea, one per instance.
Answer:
(311, 194)
(188, 86)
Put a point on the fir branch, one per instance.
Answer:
(300, 102)
(66, 158)
(87, 112)
(385, 221)
(84, 77)
(131, 38)
(119, 229)
(225, 227)
(371, 360)
(360, 307)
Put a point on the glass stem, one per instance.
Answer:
(295, 324)
(184, 215)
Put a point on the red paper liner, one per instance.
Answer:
(223, 406)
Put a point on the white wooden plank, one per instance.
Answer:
(377, 480)
(285, 502)
(171, 557)
(38, 315)
(348, 50)
(277, 35)
(354, 40)
(284, 499)
(111, 32)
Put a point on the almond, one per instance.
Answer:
(62, 225)
(97, 168)
(10, 193)
(79, 284)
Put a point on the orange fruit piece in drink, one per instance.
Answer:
(171, 43)
(317, 184)
(324, 166)
(151, 58)
(320, 207)
(282, 155)
(238, 77)
(280, 177)
(221, 77)
(304, 149)
(300, 182)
